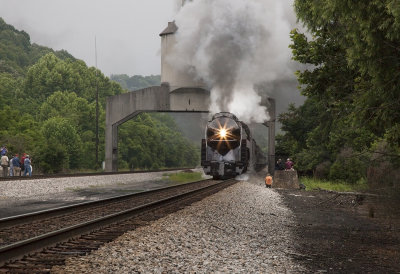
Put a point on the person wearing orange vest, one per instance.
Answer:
(268, 181)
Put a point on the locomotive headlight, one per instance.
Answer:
(222, 133)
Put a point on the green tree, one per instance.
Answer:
(368, 31)
(59, 133)
(351, 82)
(18, 131)
(67, 89)
(68, 105)
(151, 141)
(51, 74)
(9, 88)
(81, 115)
(136, 82)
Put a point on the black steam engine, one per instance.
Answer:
(228, 149)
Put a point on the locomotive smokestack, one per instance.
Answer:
(233, 46)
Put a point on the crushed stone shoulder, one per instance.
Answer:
(244, 228)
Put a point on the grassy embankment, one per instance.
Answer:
(183, 177)
(312, 184)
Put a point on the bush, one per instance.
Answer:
(122, 164)
(347, 167)
(384, 167)
(322, 170)
(61, 134)
(52, 158)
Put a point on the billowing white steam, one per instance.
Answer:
(242, 177)
(232, 45)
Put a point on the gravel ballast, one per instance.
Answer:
(38, 187)
(242, 229)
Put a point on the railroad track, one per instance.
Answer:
(35, 242)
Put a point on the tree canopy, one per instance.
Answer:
(153, 141)
(352, 86)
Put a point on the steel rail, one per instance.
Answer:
(44, 214)
(19, 249)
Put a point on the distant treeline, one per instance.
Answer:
(136, 82)
(48, 110)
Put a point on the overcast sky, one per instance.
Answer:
(127, 31)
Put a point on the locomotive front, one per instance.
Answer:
(222, 152)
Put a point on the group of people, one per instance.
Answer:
(15, 166)
(288, 165)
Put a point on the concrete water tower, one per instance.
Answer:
(186, 91)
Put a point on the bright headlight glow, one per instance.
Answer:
(222, 132)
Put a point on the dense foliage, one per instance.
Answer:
(153, 141)
(349, 124)
(48, 110)
(136, 82)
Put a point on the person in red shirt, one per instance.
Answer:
(289, 164)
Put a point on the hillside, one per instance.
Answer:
(17, 53)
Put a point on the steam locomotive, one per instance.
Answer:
(228, 149)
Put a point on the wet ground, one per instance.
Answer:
(344, 233)
(14, 206)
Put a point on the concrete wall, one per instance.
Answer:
(121, 108)
(287, 179)
(191, 99)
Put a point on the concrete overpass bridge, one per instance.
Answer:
(123, 107)
(179, 92)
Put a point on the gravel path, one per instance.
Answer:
(33, 188)
(242, 229)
